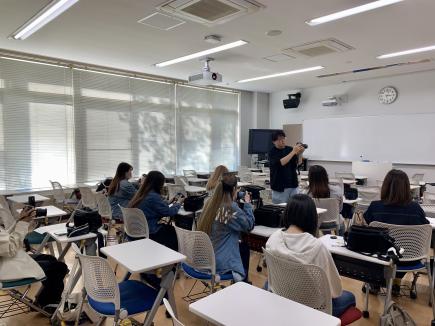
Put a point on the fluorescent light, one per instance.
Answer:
(352, 11)
(46, 15)
(202, 53)
(412, 51)
(292, 72)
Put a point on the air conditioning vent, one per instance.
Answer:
(210, 12)
(318, 48)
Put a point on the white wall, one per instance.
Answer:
(254, 113)
(416, 95)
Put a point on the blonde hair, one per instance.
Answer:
(218, 207)
(216, 177)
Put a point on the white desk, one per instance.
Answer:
(142, 255)
(52, 211)
(242, 304)
(147, 255)
(194, 189)
(378, 266)
(243, 184)
(197, 180)
(263, 231)
(183, 212)
(53, 231)
(24, 199)
(414, 187)
(431, 221)
(429, 210)
(345, 181)
(259, 174)
(321, 210)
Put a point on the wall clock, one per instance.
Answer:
(387, 95)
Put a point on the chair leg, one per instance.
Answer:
(366, 301)
(431, 289)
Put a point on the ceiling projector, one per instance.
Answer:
(206, 77)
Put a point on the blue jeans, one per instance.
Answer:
(279, 197)
(342, 303)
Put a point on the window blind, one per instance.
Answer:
(36, 125)
(207, 128)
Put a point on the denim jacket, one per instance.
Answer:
(122, 196)
(154, 208)
(225, 239)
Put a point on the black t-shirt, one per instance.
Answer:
(411, 214)
(282, 177)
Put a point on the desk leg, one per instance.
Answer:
(389, 274)
(165, 285)
(64, 251)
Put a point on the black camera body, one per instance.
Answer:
(302, 144)
(41, 212)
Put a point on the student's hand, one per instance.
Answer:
(27, 214)
(247, 197)
(180, 200)
(298, 149)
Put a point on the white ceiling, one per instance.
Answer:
(106, 32)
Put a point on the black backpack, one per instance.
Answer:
(269, 215)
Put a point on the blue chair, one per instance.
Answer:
(200, 263)
(107, 297)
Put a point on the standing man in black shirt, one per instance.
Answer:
(283, 164)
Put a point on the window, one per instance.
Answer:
(72, 125)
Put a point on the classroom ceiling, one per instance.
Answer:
(106, 32)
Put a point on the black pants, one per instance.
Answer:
(166, 236)
(52, 287)
(245, 255)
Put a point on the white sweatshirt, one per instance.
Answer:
(306, 249)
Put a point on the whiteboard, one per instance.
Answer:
(406, 139)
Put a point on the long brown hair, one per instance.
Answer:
(121, 170)
(216, 176)
(396, 189)
(218, 207)
(154, 181)
(318, 182)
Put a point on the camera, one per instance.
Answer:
(41, 212)
(302, 144)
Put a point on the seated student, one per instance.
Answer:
(223, 220)
(16, 264)
(319, 187)
(121, 191)
(150, 201)
(396, 207)
(215, 178)
(298, 242)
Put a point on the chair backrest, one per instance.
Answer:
(369, 194)
(135, 223)
(4, 203)
(168, 307)
(198, 249)
(303, 283)
(333, 210)
(415, 239)
(103, 205)
(189, 173)
(179, 180)
(88, 197)
(345, 175)
(417, 178)
(429, 198)
(6, 218)
(175, 189)
(99, 279)
(305, 173)
(58, 193)
(266, 196)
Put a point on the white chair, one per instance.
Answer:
(266, 196)
(6, 219)
(4, 203)
(330, 220)
(429, 195)
(190, 173)
(135, 223)
(303, 283)
(200, 262)
(367, 195)
(88, 198)
(107, 297)
(416, 240)
(175, 321)
(179, 180)
(173, 190)
(345, 175)
(417, 178)
(60, 197)
(103, 205)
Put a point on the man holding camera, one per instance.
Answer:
(284, 161)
